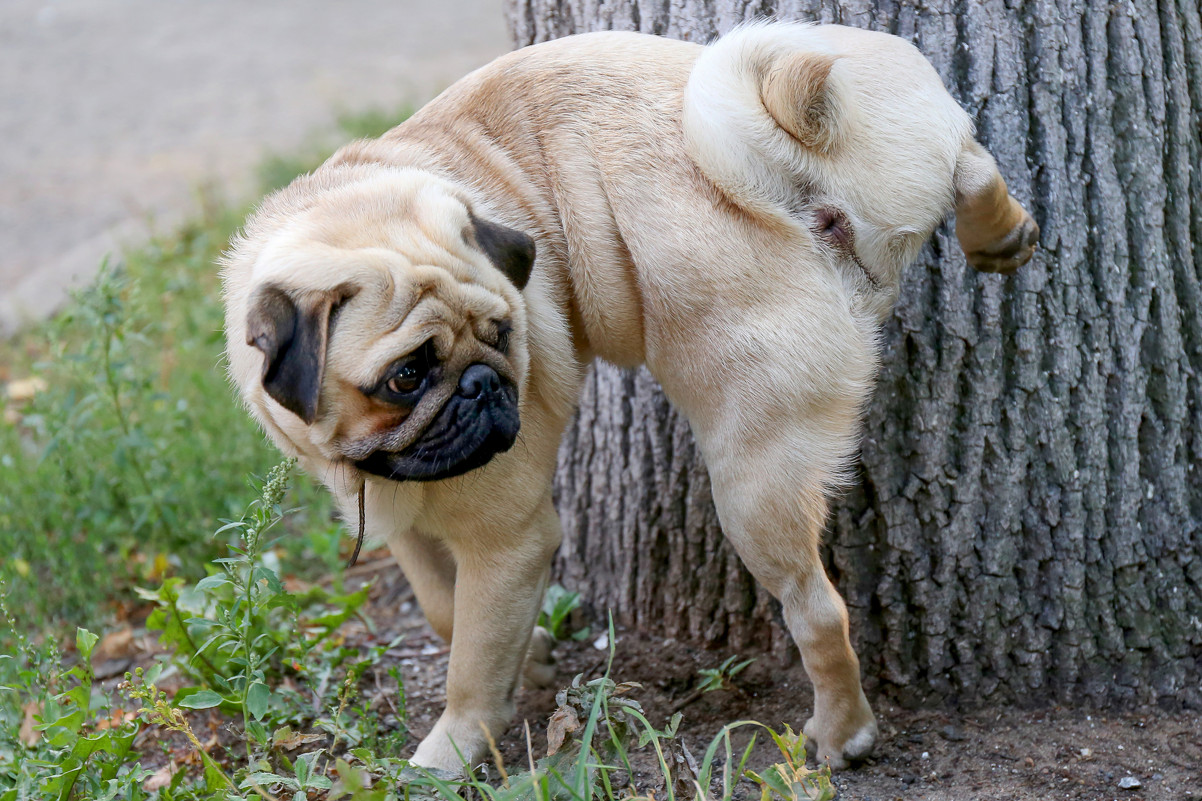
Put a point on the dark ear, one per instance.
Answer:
(292, 335)
(510, 251)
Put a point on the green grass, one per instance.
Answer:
(119, 470)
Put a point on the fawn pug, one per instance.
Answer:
(735, 217)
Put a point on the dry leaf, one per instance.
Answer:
(23, 389)
(290, 741)
(562, 723)
(115, 720)
(28, 734)
(115, 645)
(160, 778)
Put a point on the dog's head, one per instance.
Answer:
(383, 323)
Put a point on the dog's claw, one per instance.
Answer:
(1011, 252)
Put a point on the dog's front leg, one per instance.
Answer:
(498, 592)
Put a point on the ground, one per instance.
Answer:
(116, 113)
(934, 755)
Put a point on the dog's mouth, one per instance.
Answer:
(479, 421)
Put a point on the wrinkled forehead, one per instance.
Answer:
(372, 226)
(906, 134)
(401, 258)
(417, 304)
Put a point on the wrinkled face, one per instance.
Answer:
(392, 330)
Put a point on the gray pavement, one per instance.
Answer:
(114, 112)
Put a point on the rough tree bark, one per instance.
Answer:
(1027, 523)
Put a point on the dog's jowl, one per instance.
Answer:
(397, 317)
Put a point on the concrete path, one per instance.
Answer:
(114, 112)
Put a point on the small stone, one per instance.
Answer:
(951, 733)
(1129, 783)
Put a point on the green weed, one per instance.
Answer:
(719, 678)
(558, 605)
(60, 738)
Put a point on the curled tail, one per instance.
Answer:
(760, 104)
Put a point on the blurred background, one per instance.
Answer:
(118, 117)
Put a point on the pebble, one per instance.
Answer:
(951, 733)
(1129, 783)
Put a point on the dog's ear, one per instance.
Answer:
(292, 332)
(995, 231)
(801, 94)
(510, 251)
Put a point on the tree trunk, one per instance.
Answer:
(1027, 523)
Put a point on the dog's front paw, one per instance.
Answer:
(540, 666)
(843, 732)
(460, 741)
(438, 753)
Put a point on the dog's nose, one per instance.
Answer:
(477, 380)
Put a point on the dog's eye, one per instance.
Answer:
(408, 376)
(407, 379)
(832, 226)
(504, 327)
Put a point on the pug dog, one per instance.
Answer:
(413, 320)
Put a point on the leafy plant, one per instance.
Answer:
(714, 679)
(158, 711)
(558, 605)
(305, 777)
(134, 445)
(719, 678)
(239, 629)
(69, 744)
(791, 779)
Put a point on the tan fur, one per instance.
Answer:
(677, 225)
(798, 95)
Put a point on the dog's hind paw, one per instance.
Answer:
(843, 742)
(540, 666)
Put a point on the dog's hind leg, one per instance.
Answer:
(997, 234)
(772, 506)
(772, 510)
(778, 432)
